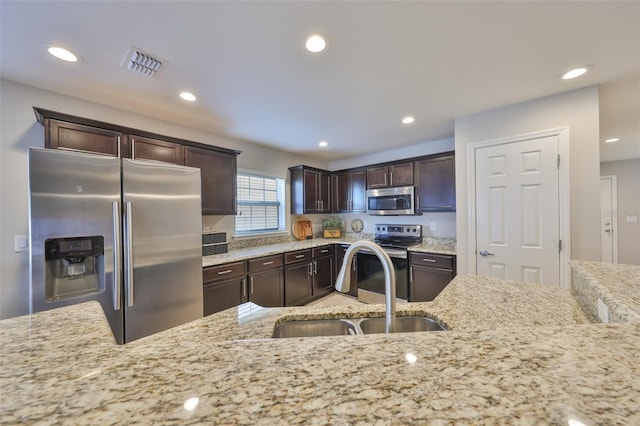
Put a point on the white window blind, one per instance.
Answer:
(260, 204)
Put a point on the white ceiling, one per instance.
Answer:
(254, 81)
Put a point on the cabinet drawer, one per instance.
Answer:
(435, 260)
(264, 263)
(223, 272)
(297, 256)
(322, 251)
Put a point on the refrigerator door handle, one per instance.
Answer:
(117, 258)
(128, 253)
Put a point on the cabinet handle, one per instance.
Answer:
(428, 260)
(300, 256)
(391, 178)
(410, 275)
(251, 284)
(315, 267)
(267, 263)
(355, 264)
(310, 269)
(244, 288)
(119, 156)
(417, 202)
(225, 272)
(133, 148)
(324, 251)
(385, 179)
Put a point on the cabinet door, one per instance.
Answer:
(77, 137)
(221, 295)
(436, 184)
(311, 200)
(267, 288)
(341, 192)
(401, 174)
(427, 283)
(297, 281)
(323, 275)
(324, 192)
(156, 149)
(218, 172)
(377, 177)
(358, 191)
(340, 251)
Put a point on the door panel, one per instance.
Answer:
(165, 232)
(518, 229)
(608, 220)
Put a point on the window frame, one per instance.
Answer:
(280, 204)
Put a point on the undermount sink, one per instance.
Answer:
(402, 325)
(345, 327)
(314, 328)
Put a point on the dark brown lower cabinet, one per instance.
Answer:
(298, 282)
(267, 288)
(308, 275)
(224, 286)
(429, 275)
(323, 270)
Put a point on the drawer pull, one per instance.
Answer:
(225, 272)
(300, 256)
(428, 260)
(324, 251)
(267, 263)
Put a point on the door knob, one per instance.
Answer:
(485, 253)
(607, 230)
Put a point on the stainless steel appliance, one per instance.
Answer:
(126, 233)
(391, 201)
(394, 239)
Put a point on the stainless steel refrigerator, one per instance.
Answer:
(126, 233)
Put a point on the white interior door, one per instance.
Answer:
(517, 211)
(608, 222)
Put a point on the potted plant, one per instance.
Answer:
(331, 227)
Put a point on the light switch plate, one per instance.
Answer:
(632, 219)
(21, 243)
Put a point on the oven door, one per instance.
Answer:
(371, 276)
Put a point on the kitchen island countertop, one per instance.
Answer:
(516, 354)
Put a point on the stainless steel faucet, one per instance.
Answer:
(343, 282)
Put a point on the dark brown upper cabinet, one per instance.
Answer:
(218, 165)
(435, 184)
(218, 178)
(310, 190)
(349, 188)
(390, 175)
(81, 138)
(155, 149)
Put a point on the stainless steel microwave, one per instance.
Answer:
(391, 201)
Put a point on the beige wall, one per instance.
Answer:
(578, 110)
(628, 178)
(19, 130)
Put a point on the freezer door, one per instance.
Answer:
(74, 208)
(162, 246)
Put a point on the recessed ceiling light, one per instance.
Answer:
(315, 43)
(576, 72)
(408, 120)
(323, 143)
(612, 140)
(188, 96)
(62, 53)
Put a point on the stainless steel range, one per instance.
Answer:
(395, 240)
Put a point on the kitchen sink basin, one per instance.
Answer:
(344, 327)
(402, 325)
(314, 328)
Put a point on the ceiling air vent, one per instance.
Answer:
(142, 62)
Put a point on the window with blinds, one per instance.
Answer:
(260, 204)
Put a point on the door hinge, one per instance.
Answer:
(560, 245)
(558, 160)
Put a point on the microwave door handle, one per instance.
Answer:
(117, 258)
(128, 254)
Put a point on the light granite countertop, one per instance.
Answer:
(429, 245)
(515, 354)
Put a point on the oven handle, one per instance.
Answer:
(399, 254)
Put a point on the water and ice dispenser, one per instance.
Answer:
(74, 267)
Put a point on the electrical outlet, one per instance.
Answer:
(21, 243)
